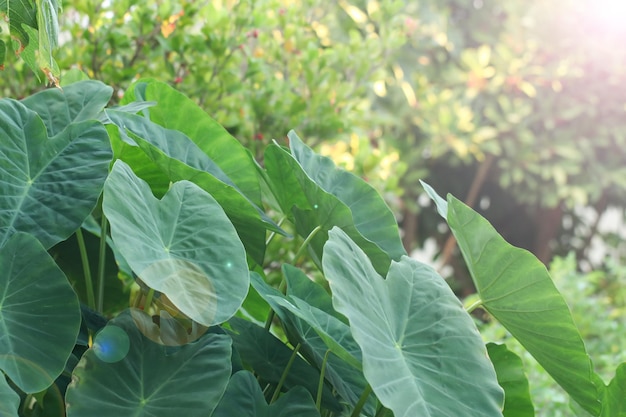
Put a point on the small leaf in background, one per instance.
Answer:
(422, 354)
(511, 377)
(48, 186)
(182, 245)
(517, 290)
(39, 315)
(244, 398)
(152, 379)
(614, 401)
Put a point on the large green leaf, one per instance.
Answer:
(244, 398)
(268, 356)
(181, 159)
(77, 102)
(422, 354)
(48, 186)
(614, 401)
(9, 400)
(174, 110)
(511, 377)
(183, 245)
(39, 315)
(516, 288)
(315, 193)
(318, 331)
(151, 379)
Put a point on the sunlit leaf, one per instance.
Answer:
(511, 377)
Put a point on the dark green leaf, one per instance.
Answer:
(244, 398)
(422, 354)
(9, 400)
(151, 379)
(39, 315)
(48, 186)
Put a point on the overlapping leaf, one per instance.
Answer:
(244, 398)
(614, 400)
(39, 314)
(48, 186)
(183, 245)
(511, 377)
(315, 193)
(517, 290)
(77, 102)
(181, 159)
(422, 354)
(151, 379)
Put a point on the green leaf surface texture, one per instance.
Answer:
(180, 159)
(182, 245)
(244, 398)
(48, 186)
(422, 353)
(516, 288)
(511, 377)
(151, 379)
(9, 400)
(315, 193)
(614, 402)
(39, 314)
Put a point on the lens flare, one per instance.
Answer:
(111, 344)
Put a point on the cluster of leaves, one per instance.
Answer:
(187, 207)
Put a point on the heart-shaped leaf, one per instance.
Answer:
(516, 288)
(181, 159)
(511, 377)
(77, 102)
(183, 245)
(9, 400)
(151, 379)
(244, 398)
(39, 315)
(422, 354)
(315, 193)
(48, 186)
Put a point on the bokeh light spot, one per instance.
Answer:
(111, 344)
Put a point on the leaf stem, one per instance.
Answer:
(382, 412)
(474, 305)
(271, 236)
(359, 406)
(320, 386)
(283, 377)
(102, 262)
(305, 243)
(91, 301)
(148, 302)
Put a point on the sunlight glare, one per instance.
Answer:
(609, 14)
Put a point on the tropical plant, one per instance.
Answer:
(188, 213)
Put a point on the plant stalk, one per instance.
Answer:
(102, 262)
(305, 243)
(283, 377)
(474, 305)
(359, 406)
(320, 385)
(91, 301)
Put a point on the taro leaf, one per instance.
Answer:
(422, 354)
(511, 377)
(181, 159)
(301, 286)
(19, 12)
(48, 186)
(614, 402)
(244, 398)
(9, 400)
(316, 193)
(152, 379)
(516, 288)
(268, 356)
(315, 339)
(75, 103)
(39, 315)
(182, 245)
(174, 110)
